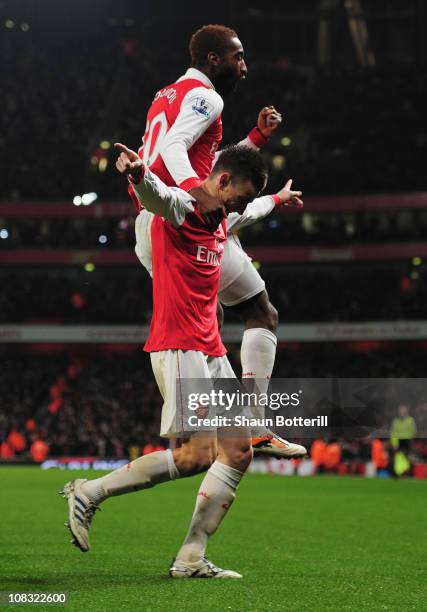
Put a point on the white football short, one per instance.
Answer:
(171, 368)
(239, 280)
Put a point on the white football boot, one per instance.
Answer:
(272, 445)
(199, 569)
(81, 511)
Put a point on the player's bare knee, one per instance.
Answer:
(193, 459)
(273, 318)
(258, 312)
(190, 464)
(203, 459)
(238, 456)
(244, 457)
(264, 314)
(269, 317)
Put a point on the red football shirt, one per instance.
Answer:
(200, 132)
(186, 268)
(186, 260)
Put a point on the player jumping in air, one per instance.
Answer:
(184, 342)
(182, 135)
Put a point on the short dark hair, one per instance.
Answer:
(243, 162)
(209, 38)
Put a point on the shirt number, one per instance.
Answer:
(155, 131)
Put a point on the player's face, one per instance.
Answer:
(231, 69)
(236, 193)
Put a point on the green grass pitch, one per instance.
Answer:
(323, 543)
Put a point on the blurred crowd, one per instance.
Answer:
(118, 295)
(346, 130)
(68, 233)
(342, 456)
(353, 292)
(338, 229)
(100, 404)
(285, 229)
(301, 293)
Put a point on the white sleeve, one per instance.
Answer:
(254, 211)
(247, 142)
(199, 109)
(170, 203)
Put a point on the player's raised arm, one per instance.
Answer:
(263, 206)
(156, 197)
(268, 121)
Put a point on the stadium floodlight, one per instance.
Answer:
(279, 162)
(4, 234)
(89, 198)
(350, 228)
(103, 163)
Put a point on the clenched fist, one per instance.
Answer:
(269, 120)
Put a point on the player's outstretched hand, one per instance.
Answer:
(129, 162)
(290, 198)
(269, 120)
